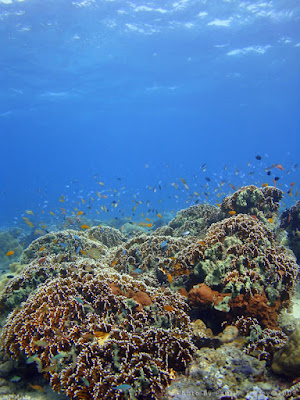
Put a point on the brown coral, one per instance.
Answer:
(87, 340)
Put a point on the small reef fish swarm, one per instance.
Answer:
(102, 316)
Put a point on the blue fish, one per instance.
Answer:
(77, 237)
(124, 387)
(138, 271)
(124, 252)
(63, 244)
(164, 245)
(78, 249)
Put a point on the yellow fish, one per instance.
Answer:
(29, 212)
(10, 253)
(159, 215)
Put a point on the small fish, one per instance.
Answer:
(138, 271)
(77, 250)
(80, 213)
(85, 226)
(10, 253)
(207, 179)
(42, 248)
(113, 263)
(83, 252)
(232, 212)
(159, 215)
(270, 220)
(37, 387)
(124, 387)
(164, 245)
(79, 300)
(276, 178)
(170, 279)
(279, 166)
(149, 225)
(258, 157)
(62, 244)
(29, 212)
(186, 233)
(51, 212)
(15, 379)
(232, 187)
(169, 308)
(269, 173)
(292, 183)
(264, 185)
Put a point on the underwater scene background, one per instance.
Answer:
(149, 199)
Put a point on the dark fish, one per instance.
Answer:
(207, 178)
(258, 157)
(269, 173)
(276, 178)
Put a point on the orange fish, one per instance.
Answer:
(147, 219)
(264, 185)
(279, 166)
(232, 187)
(254, 217)
(10, 253)
(169, 308)
(292, 184)
(149, 225)
(42, 248)
(270, 220)
(159, 215)
(170, 279)
(85, 227)
(80, 213)
(114, 263)
(82, 251)
(232, 212)
(37, 387)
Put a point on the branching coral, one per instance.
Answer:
(240, 256)
(260, 202)
(66, 243)
(89, 334)
(194, 220)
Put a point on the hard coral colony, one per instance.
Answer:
(113, 321)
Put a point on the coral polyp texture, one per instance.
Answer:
(193, 221)
(290, 221)
(102, 335)
(260, 202)
(239, 256)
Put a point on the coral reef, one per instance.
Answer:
(100, 335)
(193, 221)
(290, 221)
(67, 242)
(262, 203)
(110, 237)
(158, 254)
(239, 256)
(287, 360)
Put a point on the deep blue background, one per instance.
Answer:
(107, 87)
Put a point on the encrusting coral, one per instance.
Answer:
(101, 335)
(287, 360)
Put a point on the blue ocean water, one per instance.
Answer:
(134, 108)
